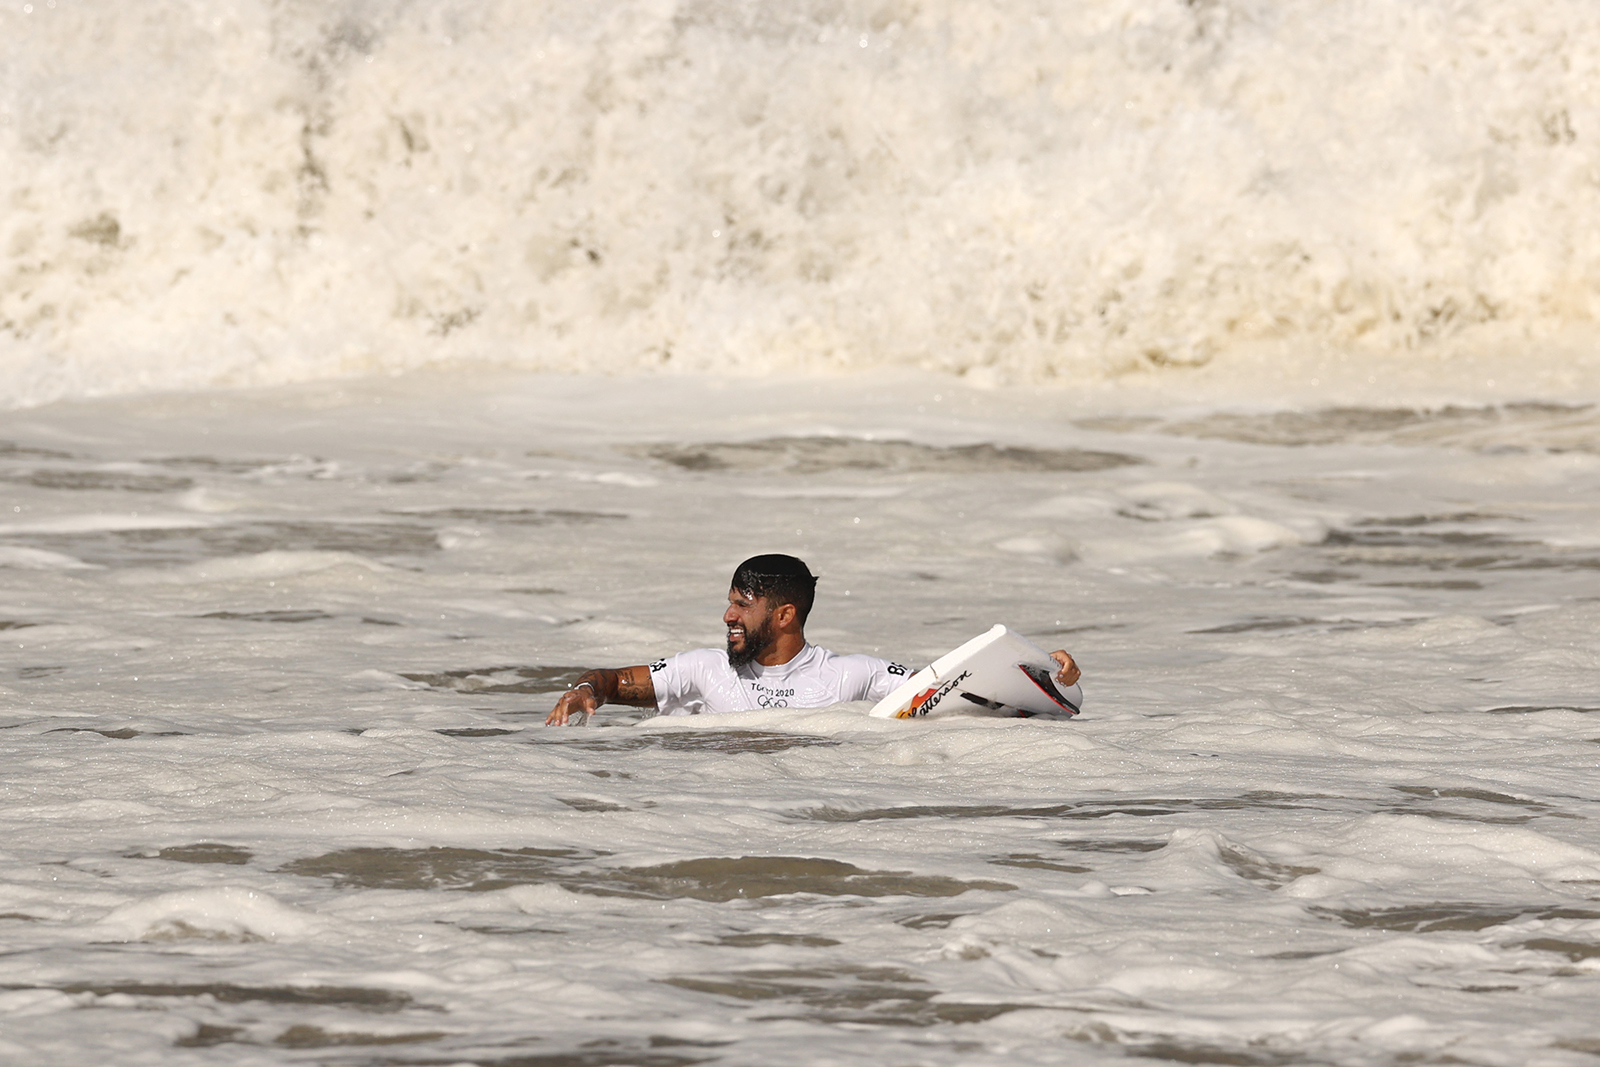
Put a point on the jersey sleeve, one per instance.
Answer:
(678, 682)
(871, 678)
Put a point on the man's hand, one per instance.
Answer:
(1069, 673)
(577, 701)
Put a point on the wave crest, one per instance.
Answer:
(265, 191)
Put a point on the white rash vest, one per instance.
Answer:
(702, 682)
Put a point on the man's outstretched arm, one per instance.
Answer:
(625, 685)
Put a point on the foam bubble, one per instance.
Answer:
(275, 563)
(1380, 844)
(228, 912)
(37, 559)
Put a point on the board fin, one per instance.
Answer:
(1047, 686)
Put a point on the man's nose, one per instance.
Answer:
(729, 617)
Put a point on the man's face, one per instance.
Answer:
(749, 623)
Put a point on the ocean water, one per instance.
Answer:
(277, 787)
(370, 369)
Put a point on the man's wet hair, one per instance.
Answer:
(781, 579)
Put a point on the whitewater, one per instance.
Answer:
(225, 192)
(370, 369)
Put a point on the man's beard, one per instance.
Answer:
(756, 642)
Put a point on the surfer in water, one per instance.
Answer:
(768, 662)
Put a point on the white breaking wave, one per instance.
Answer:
(209, 192)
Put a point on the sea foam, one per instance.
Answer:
(260, 191)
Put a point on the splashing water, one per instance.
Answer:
(261, 191)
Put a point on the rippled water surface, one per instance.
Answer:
(277, 787)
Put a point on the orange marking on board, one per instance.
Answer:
(913, 709)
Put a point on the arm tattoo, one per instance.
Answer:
(630, 685)
(635, 687)
(603, 682)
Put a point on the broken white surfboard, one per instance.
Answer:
(998, 673)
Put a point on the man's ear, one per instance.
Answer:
(784, 616)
